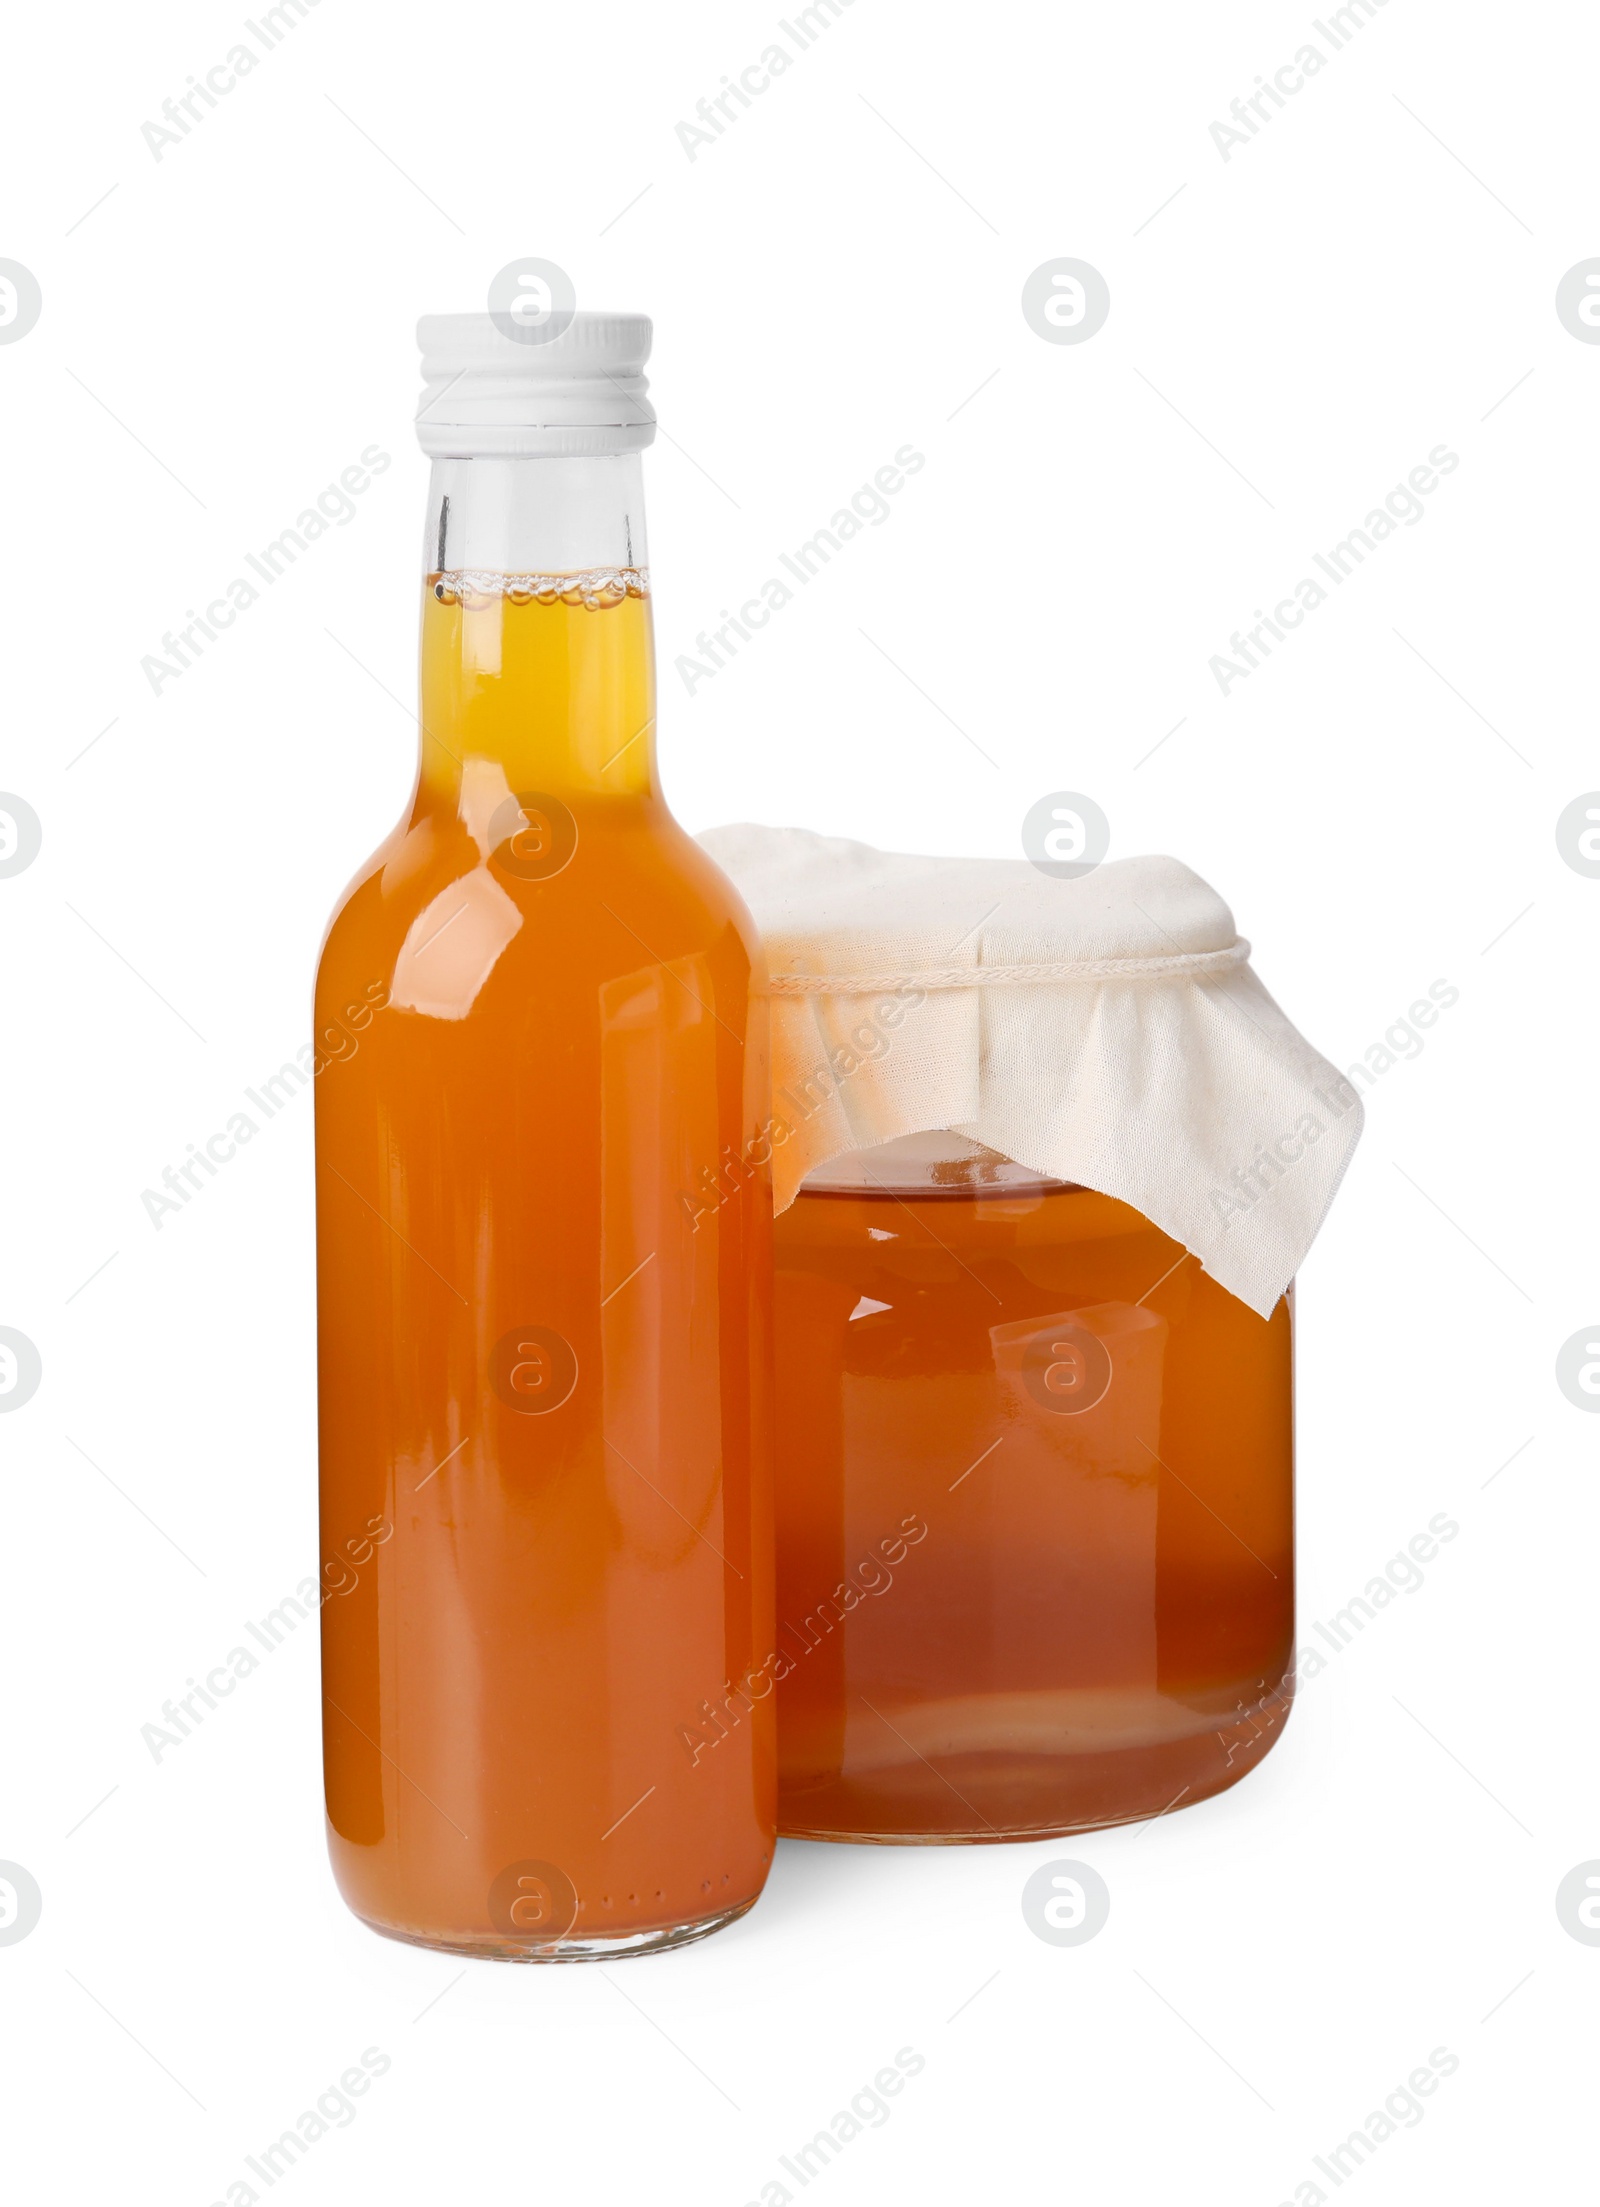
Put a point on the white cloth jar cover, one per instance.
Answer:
(1106, 1030)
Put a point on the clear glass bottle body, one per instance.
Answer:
(1035, 1507)
(543, 1359)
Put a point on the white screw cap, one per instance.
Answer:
(580, 391)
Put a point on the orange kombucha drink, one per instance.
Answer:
(544, 1415)
(1035, 1502)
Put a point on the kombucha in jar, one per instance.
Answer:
(1035, 1493)
(546, 1510)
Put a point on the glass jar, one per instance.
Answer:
(1035, 1507)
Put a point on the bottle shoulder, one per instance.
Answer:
(634, 889)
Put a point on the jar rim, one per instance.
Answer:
(936, 1162)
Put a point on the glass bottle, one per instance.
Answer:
(542, 1352)
(1035, 1507)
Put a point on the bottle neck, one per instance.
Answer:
(538, 661)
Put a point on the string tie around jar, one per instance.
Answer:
(1186, 964)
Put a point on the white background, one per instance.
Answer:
(837, 275)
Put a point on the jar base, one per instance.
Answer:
(495, 1946)
(986, 1798)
